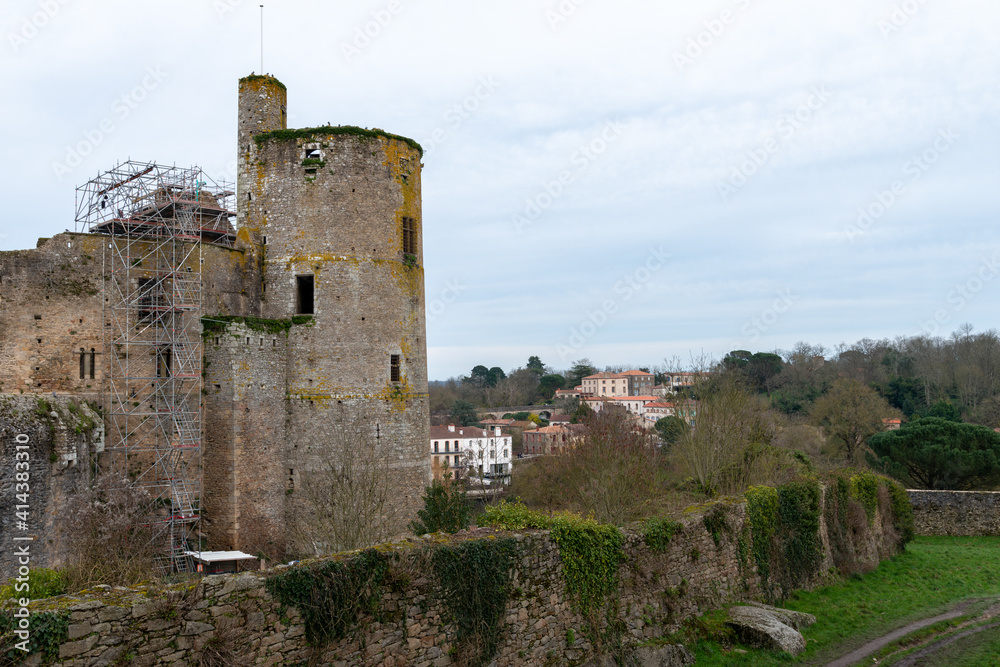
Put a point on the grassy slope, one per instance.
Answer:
(933, 574)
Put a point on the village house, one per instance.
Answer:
(553, 439)
(470, 452)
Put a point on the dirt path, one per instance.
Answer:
(914, 658)
(872, 646)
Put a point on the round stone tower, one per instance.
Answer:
(332, 219)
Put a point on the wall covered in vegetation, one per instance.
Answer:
(533, 590)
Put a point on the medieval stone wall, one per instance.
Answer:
(51, 308)
(61, 437)
(956, 512)
(235, 613)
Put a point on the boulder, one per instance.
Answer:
(796, 619)
(760, 627)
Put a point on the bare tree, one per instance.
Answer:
(350, 498)
(729, 447)
(850, 413)
(109, 534)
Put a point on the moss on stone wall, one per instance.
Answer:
(219, 323)
(257, 79)
(331, 130)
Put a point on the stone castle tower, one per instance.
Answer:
(313, 314)
(330, 219)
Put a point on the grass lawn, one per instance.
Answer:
(932, 576)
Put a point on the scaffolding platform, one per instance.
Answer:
(157, 219)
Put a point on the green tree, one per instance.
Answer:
(495, 375)
(535, 365)
(905, 394)
(548, 384)
(936, 453)
(757, 369)
(850, 413)
(580, 369)
(670, 429)
(581, 414)
(943, 410)
(464, 413)
(480, 375)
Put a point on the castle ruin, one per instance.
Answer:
(223, 356)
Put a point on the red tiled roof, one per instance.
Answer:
(635, 373)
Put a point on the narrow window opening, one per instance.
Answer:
(83, 358)
(409, 236)
(38, 317)
(93, 362)
(394, 368)
(147, 298)
(164, 359)
(305, 288)
(249, 196)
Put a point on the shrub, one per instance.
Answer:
(657, 533)
(445, 508)
(513, 516)
(43, 583)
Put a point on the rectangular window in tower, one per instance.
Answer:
(164, 358)
(93, 362)
(304, 294)
(147, 297)
(83, 364)
(394, 374)
(409, 236)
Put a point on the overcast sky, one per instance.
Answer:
(625, 181)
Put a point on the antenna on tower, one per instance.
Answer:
(262, 40)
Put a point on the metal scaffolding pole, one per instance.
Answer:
(157, 219)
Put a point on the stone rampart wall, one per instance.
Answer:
(234, 615)
(956, 512)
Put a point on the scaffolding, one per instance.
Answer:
(157, 219)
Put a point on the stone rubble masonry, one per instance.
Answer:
(657, 592)
(955, 512)
(64, 435)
